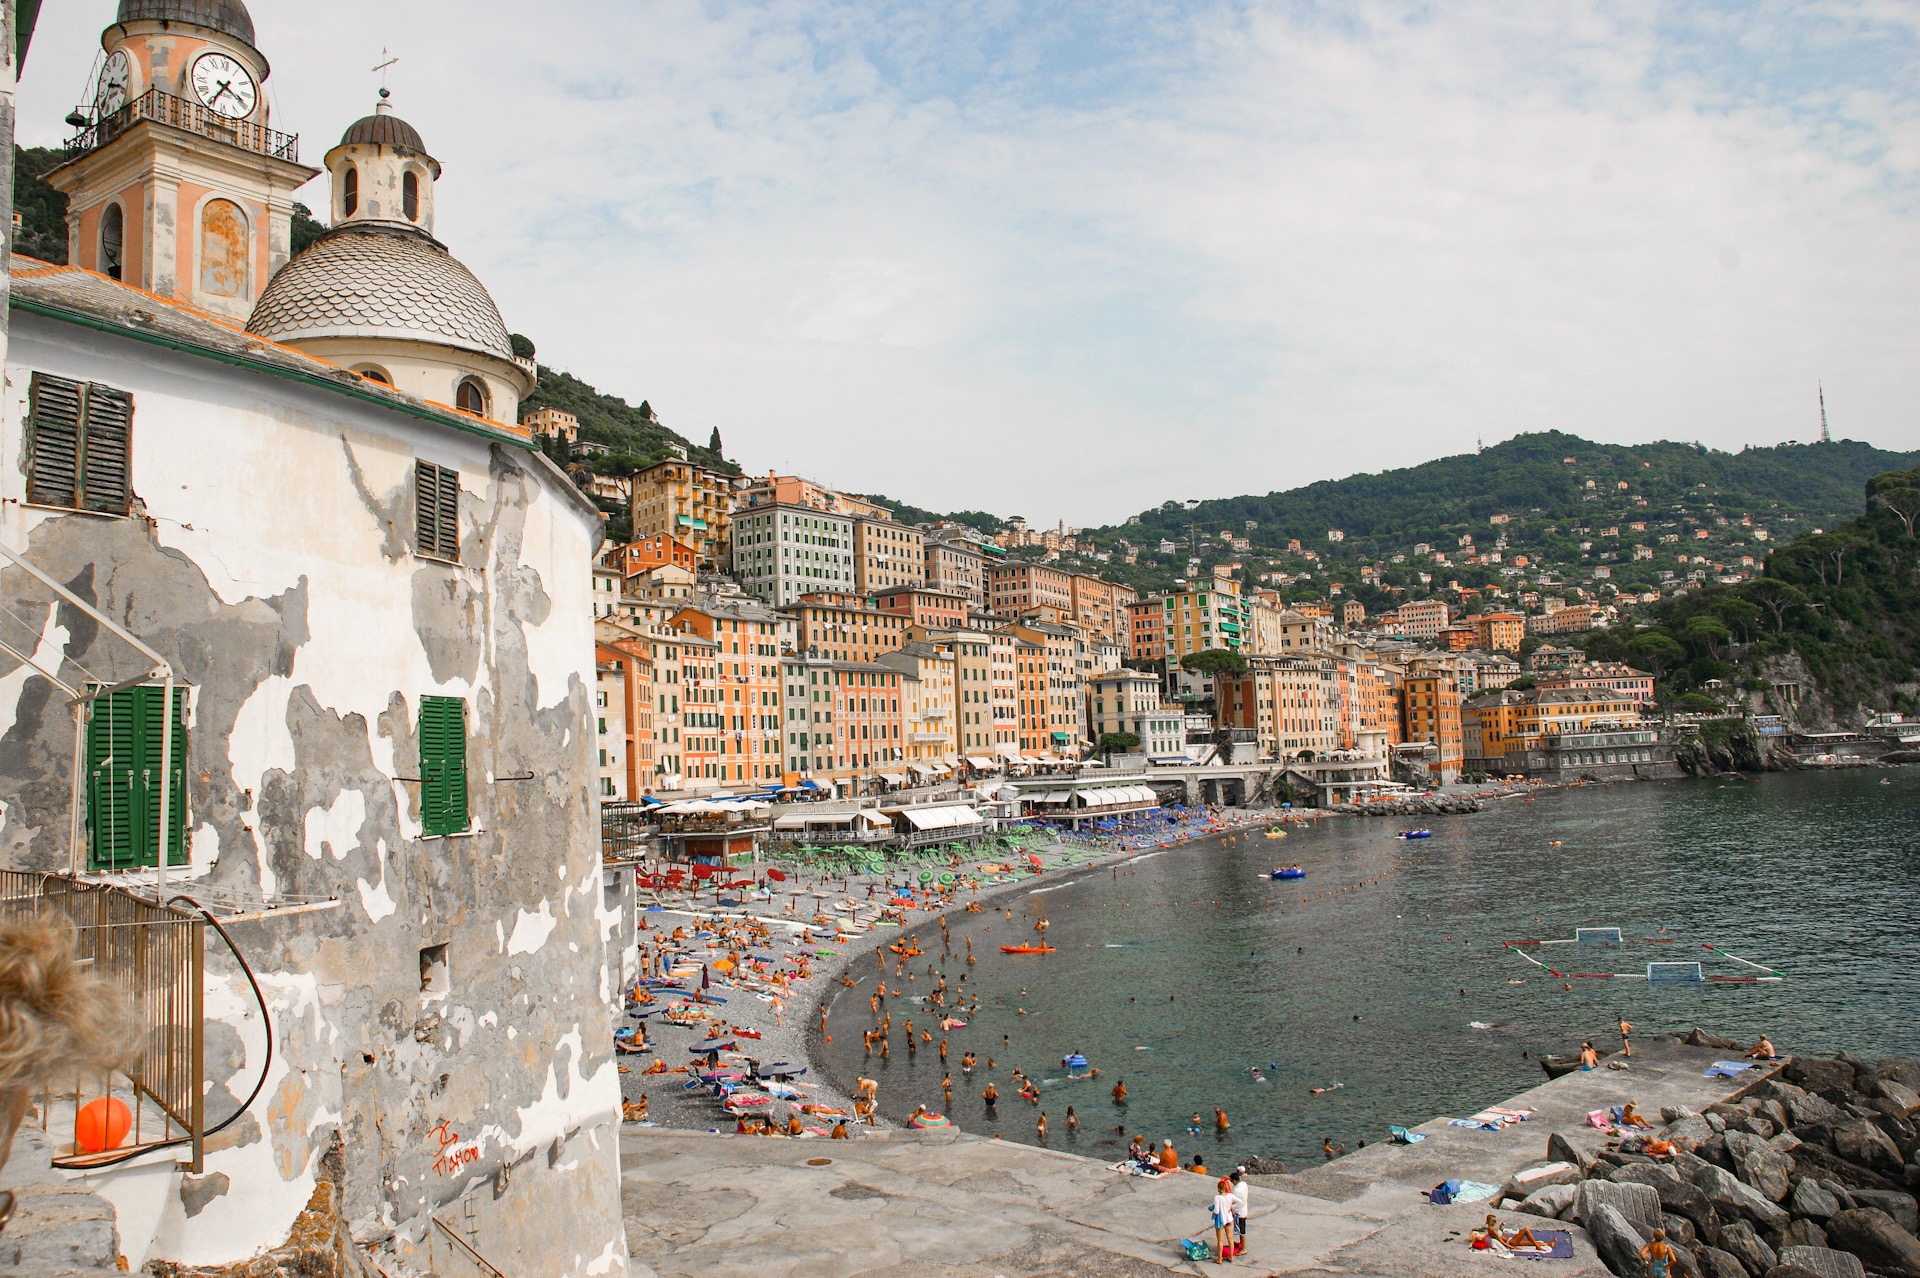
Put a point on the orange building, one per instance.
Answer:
(741, 706)
(637, 558)
(1147, 630)
(1499, 631)
(841, 722)
(1100, 607)
(1430, 712)
(1457, 637)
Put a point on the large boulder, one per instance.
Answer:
(1810, 1200)
(1715, 1263)
(1830, 1166)
(1562, 1150)
(1690, 1132)
(1697, 1037)
(1803, 1233)
(1904, 1099)
(1882, 1246)
(1678, 1197)
(1551, 1202)
(1863, 1143)
(1529, 1179)
(1900, 1206)
(1749, 1248)
(1817, 1073)
(1617, 1241)
(1638, 1204)
(1732, 1197)
(1759, 1164)
(1823, 1262)
(1902, 1069)
(1840, 1192)
(1753, 1124)
(1680, 1231)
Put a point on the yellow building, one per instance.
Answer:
(887, 554)
(927, 719)
(687, 502)
(1214, 616)
(1504, 725)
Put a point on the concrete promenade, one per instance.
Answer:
(949, 1205)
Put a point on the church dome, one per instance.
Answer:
(368, 282)
(227, 16)
(384, 129)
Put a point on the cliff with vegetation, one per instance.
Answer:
(1828, 634)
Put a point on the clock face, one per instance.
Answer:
(113, 83)
(223, 86)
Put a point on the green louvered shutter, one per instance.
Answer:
(106, 451)
(53, 441)
(443, 766)
(123, 779)
(436, 511)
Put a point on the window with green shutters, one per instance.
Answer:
(443, 766)
(123, 780)
(79, 445)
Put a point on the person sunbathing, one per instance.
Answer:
(1631, 1117)
(1762, 1050)
(1519, 1238)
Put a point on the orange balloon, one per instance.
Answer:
(101, 1124)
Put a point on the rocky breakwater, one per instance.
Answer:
(1808, 1174)
(1411, 805)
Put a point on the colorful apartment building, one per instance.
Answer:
(687, 502)
(614, 698)
(957, 565)
(1498, 631)
(985, 688)
(1213, 616)
(1421, 618)
(1127, 702)
(641, 556)
(840, 721)
(1019, 588)
(1052, 716)
(740, 701)
(1100, 607)
(1290, 703)
(844, 627)
(1508, 731)
(782, 552)
(1430, 714)
(1147, 630)
(1608, 676)
(924, 606)
(887, 555)
(927, 717)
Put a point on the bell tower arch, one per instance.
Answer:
(180, 184)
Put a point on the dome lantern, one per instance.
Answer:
(382, 174)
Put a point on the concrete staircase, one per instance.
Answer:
(58, 1230)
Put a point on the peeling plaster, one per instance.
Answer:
(531, 930)
(336, 829)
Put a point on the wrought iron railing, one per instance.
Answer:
(154, 956)
(181, 113)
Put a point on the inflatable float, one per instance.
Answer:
(1294, 872)
(1422, 833)
(929, 1121)
(1026, 949)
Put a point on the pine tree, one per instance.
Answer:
(713, 443)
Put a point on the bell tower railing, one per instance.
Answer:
(181, 113)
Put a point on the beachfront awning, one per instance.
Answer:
(1051, 796)
(920, 769)
(940, 818)
(976, 761)
(894, 778)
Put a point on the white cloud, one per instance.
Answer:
(1072, 263)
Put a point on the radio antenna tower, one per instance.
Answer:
(1826, 437)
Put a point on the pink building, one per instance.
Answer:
(1615, 676)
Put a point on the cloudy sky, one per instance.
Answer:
(1073, 260)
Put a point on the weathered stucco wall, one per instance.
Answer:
(270, 560)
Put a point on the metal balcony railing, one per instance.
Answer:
(154, 956)
(180, 113)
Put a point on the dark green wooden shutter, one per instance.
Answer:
(443, 766)
(436, 510)
(53, 474)
(123, 779)
(106, 450)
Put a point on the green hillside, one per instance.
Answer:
(42, 210)
(636, 435)
(1841, 606)
(1529, 477)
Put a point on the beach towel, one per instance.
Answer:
(1727, 1069)
(1444, 1192)
(1598, 1118)
(1562, 1246)
(1474, 1191)
(1401, 1136)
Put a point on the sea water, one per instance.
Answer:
(1192, 976)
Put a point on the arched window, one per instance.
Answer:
(349, 191)
(113, 231)
(223, 249)
(410, 195)
(374, 373)
(471, 396)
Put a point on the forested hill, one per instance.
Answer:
(636, 435)
(1547, 477)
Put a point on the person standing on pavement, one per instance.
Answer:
(1626, 1044)
(1223, 1221)
(1239, 1182)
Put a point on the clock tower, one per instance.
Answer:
(179, 185)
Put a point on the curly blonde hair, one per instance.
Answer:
(56, 1015)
